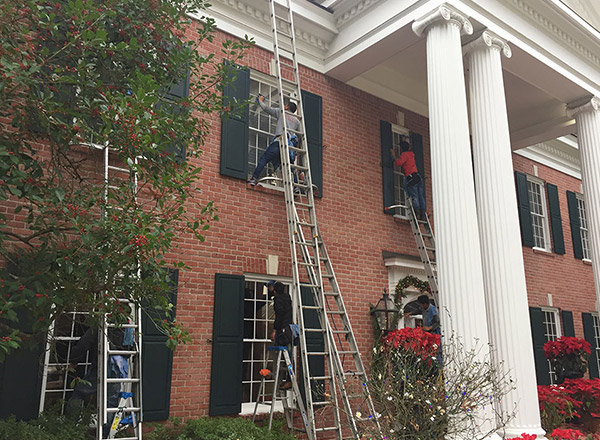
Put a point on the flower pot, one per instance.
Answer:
(562, 375)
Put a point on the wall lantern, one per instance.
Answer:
(385, 312)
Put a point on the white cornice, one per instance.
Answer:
(351, 10)
(314, 27)
(555, 154)
(556, 30)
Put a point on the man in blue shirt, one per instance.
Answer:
(431, 319)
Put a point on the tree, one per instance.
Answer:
(77, 76)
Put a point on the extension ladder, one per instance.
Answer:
(343, 385)
(279, 395)
(425, 245)
(127, 413)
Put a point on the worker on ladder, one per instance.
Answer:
(282, 335)
(413, 181)
(272, 154)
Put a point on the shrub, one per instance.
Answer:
(556, 406)
(218, 429)
(568, 355)
(49, 426)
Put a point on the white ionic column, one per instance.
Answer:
(587, 115)
(458, 254)
(502, 255)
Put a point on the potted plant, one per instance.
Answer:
(569, 357)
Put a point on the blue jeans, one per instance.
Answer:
(271, 155)
(416, 193)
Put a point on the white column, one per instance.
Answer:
(502, 255)
(458, 254)
(587, 115)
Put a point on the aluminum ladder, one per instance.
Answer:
(278, 395)
(127, 413)
(343, 385)
(425, 241)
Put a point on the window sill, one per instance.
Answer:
(541, 251)
(587, 261)
(266, 188)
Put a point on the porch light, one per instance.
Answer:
(385, 311)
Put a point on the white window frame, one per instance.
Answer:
(596, 322)
(248, 406)
(583, 228)
(551, 334)
(254, 133)
(399, 194)
(547, 245)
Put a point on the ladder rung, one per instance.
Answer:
(122, 380)
(296, 149)
(312, 307)
(354, 373)
(285, 20)
(348, 352)
(310, 285)
(305, 205)
(336, 312)
(289, 66)
(327, 428)
(122, 438)
(339, 332)
(323, 403)
(119, 169)
(314, 330)
(330, 293)
(312, 225)
(123, 352)
(299, 167)
(124, 409)
(317, 353)
(320, 377)
(122, 325)
(283, 34)
(301, 263)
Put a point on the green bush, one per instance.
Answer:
(49, 426)
(218, 429)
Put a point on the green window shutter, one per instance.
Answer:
(536, 316)
(227, 346)
(416, 140)
(589, 335)
(234, 129)
(20, 383)
(314, 342)
(313, 121)
(177, 92)
(524, 209)
(157, 362)
(575, 224)
(387, 166)
(567, 321)
(558, 240)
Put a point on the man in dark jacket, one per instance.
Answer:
(282, 333)
(282, 305)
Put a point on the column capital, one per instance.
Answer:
(488, 40)
(443, 13)
(586, 105)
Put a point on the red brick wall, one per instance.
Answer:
(570, 281)
(252, 224)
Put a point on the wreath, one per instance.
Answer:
(407, 281)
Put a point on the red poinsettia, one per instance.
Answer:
(416, 340)
(566, 346)
(567, 434)
(524, 437)
(587, 391)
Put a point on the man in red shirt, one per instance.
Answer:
(413, 182)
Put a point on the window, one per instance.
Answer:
(57, 377)
(398, 133)
(552, 333)
(258, 325)
(583, 228)
(261, 126)
(596, 338)
(539, 213)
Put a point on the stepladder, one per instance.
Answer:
(334, 381)
(270, 393)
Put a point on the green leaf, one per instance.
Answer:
(60, 194)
